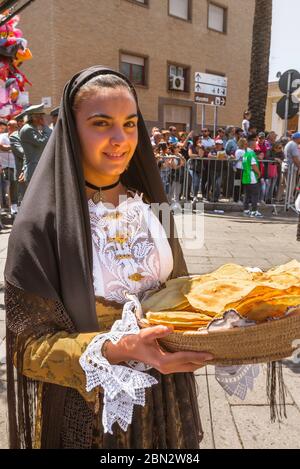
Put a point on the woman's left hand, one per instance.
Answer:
(144, 347)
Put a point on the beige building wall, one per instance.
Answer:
(273, 121)
(67, 36)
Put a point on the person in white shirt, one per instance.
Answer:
(246, 123)
(238, 169)
(8, 180)
(207, 143)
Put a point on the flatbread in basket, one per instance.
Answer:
(239, 316)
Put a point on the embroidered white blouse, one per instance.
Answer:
(131, 254)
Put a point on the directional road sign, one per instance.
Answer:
(210, 89)
(293, 108)
(294, 81)
(209, 79)
(203, 98)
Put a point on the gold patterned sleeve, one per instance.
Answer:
(54, 358)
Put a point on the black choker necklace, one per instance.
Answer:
(97, 197)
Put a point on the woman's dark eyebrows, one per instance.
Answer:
(104, 116)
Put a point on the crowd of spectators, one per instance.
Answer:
(215, 164)
(22, 141)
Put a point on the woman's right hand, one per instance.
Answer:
(143, 347)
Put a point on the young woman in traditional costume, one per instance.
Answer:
(70, 267)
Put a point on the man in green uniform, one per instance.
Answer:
(34, 137)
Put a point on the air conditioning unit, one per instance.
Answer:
(177, 83)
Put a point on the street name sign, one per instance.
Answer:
(209, 100)
(210, 89)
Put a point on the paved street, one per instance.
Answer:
(228, 422)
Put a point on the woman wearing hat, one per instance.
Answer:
(83, 364)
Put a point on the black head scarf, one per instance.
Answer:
(50, 247)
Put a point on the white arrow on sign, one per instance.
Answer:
(210, 79)
(210, 89)
(219, 101)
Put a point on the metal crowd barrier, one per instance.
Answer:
(219, 180)
(292, 187)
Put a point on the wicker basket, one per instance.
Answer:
(266, 342)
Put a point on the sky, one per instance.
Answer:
(285, 37)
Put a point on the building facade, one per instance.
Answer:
(159, 44)
(273, 121)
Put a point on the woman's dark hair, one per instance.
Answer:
(195, 139)
(163, 146)
(100, 81)
(284, 141)
(173, 147)
(276, 144)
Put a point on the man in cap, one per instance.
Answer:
(34, 136)
(292, 152)
(261, 144)
(292, 160)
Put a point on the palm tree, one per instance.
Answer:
(260, 55)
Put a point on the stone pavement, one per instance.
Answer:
(227, 422)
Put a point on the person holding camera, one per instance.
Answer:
(195, 169)
(164, 165)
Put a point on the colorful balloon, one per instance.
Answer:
(13, 52)
(13, 95)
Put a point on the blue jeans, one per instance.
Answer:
(264, 187)
(270, 192)
(196, 180)
(166, 179)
